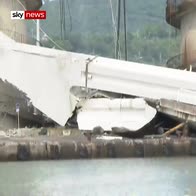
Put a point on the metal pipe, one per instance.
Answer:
(118, 30)
(170, 131)
(38, 33)
(125, 29)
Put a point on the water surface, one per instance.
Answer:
(124, 177)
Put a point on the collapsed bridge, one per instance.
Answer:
(58, 81)
(47, 76)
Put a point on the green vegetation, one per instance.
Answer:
(89, 29)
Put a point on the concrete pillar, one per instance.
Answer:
(188, 31)
(15, 29)
(181, 14)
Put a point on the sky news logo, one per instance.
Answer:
(28, 15)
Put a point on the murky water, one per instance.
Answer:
(124, 177)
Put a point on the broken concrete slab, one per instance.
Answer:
(132, 114)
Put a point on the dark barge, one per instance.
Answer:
(74, 145)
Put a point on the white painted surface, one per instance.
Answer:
(4, 38)
(108, 138)
(39, 77)
(132, 114)
(47, 75)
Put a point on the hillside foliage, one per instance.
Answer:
(89, 29)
